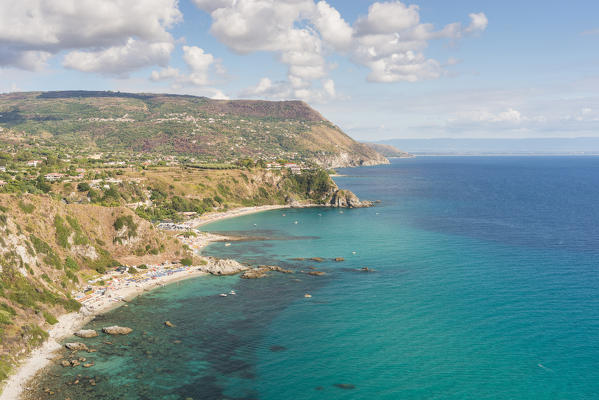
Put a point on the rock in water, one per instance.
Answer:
(223, 267)
(117, 330)
(345, 386)
(86, 333)
(76, 346)
(345, 198)
(169, 324)
(316, 273)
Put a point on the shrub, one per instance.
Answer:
(62, 232)
(51, 319)
(187, 261)
(27, 208)
(83, 187)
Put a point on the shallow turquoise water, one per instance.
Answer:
(486, 287)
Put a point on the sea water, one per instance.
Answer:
(483, 283)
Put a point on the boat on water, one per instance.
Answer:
(227, 244)
(232, 292)
(223, 295)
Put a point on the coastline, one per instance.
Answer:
(17, 383)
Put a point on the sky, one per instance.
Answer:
(378, 69)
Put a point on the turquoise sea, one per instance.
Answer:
(486, 286)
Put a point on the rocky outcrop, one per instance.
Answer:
(262, 271)
(360, 156)
(76, 346)
(223, 267)
(86, 333)
(346, 199)
(117, 330)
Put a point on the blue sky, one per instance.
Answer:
(379, 70)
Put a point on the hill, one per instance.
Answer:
(388, 150)
(202, 129)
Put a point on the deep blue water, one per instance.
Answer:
(486, 287)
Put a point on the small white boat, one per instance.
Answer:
(232, 292)
(353, 252)
(284, 215)
(340, 212)
(320, 215)
(227, 244)
(255, 225)
(295, 222)
(223, 295)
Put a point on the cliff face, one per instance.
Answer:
(206, 129)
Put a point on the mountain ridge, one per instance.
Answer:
(182, 125)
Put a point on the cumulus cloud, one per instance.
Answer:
(283, 90)
(120, 60)
(389, 40)
(112, 30)
(200, 65)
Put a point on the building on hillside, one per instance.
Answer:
(33, 163)
(296, 169)
(2, 169)
(273, 166)
(2, 183)
(53, 176)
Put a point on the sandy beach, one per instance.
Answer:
(117, 290)
(206, 219)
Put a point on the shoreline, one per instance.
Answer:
(17, 383)
(236, 212)
(68, 324)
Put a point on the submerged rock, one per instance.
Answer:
(317, 259)
(86, 333)
(262, 271)
(277, 348)
(339, 259)
(316, 273)
(169, 324)
(117, 330)
(345, 386)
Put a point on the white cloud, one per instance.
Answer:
(478, 23)
(119, 60)
(199, 63)
(332, 27)
(284, 90)
(389, 39)
(32, 30)
(385, 18)
(199, 67)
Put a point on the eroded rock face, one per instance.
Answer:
(223, 267)
(346, 199)
(117, 330)
(86, 333)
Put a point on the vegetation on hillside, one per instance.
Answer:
(201, 129)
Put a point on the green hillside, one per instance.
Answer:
(199, 128)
